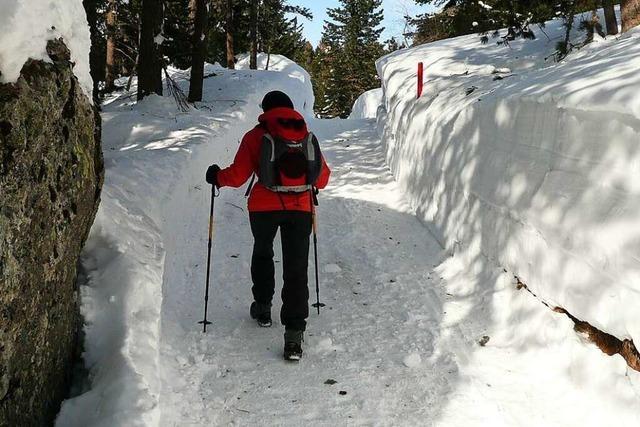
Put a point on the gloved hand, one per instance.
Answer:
(212, 174)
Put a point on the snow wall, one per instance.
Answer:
(530, 165)
(303, 100)
(367, 104)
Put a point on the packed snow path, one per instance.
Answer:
(410, 335)
(383, 309)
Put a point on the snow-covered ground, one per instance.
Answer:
(528, 164)
(410, 335)
(155, 158)
(367, 104)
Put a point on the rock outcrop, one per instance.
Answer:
(51, 174)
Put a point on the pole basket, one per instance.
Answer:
(204, 324)
(318, 305)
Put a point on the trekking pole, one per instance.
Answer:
(205, 322)
(314, 203)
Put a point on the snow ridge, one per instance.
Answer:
(536, 170)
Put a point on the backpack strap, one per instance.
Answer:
(310, 148)
(250, 186)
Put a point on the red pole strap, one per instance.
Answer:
(420, 78)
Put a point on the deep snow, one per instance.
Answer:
(154, 155)
(528, 164)
(27, 25)
(367, 104)
(410, 336)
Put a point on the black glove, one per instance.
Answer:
(212, 175)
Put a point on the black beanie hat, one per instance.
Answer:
(275, 99)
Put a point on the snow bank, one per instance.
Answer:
(155, 160)
(27, 25)
(530, 164)
(282, 64)
(367, 104)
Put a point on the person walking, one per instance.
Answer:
(286, 159)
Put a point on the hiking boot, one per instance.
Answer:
(293, 344)
(261, 313)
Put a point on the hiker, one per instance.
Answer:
(287, 161)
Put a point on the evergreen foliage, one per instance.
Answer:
(519, 18)
(277, 32)
(344, 66)
(461, 17)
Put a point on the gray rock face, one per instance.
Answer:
(51, 174)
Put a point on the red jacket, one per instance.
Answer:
(246, 163)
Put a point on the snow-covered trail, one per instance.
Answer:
(383, 309)
(402, 324)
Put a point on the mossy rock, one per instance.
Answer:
(51, 174)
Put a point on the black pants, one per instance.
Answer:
(295, 228)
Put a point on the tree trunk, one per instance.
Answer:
(266, 67)
(149, 58)
(96, 60)
(110, 69)
(253, 35)
(630, 12)
(198, 13)
(231, 60)
(610, 17)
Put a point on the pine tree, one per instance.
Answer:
(150, 59)
(230, 29)
(178, 32)
(610, 17)
(320, 72)
(111, 27)
(199, 13)
(461, 17)
(276, 33)
(253, 25)
(96, 59)
(253, 34)
(350, 48)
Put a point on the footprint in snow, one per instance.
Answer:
(332, 268)
(412, 360)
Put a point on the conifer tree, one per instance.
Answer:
(610, 18)
(199, 14)
(150, 57)
(253, 34)
(230, 30)
(111, 30)
(178, 30)
(350, 48)
(96, 59)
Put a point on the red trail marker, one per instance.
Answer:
(420, 78)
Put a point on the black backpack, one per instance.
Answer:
(288, 166)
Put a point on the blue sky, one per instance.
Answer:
(393, 12)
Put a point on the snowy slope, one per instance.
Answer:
(283, 65)
(27, 25)
(401, 328)
(155, 159)
(367, 104)
(536, 172)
